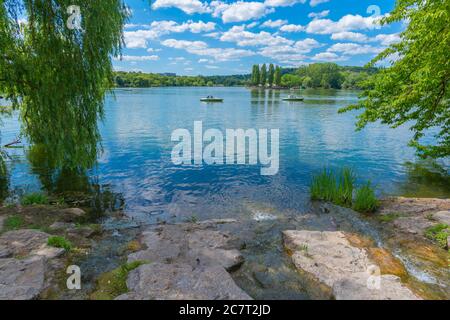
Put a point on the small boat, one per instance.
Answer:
(211, 99)
(293, 98)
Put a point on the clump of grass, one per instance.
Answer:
(14, 222)
(438, 234)
(365, 200)
(114, 283)
(340, 189)
(345, 189)
(34, 198)
(59, 242)
(323, 186)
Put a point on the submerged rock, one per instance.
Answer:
(347, 270)
(179, 281)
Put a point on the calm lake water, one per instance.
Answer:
(136, 162)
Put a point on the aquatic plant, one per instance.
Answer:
(323, 186)
(365, 200)
(340, 190)
(344, 193)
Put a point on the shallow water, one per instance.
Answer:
(135, 173)
(137, 145)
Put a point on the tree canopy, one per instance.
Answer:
(57, 75)
(415, 88)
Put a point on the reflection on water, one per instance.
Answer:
(135, 168)
(426, 179)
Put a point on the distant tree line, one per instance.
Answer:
(146, 80)
(316, 75)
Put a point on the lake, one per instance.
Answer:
(136, 159)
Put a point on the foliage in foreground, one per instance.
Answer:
(438, 234)
(60, 242)
(14, 223)
(51, 71)
(114, 283)
(415, 89)
(34, 198)
(339, 188)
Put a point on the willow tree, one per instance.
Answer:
(56, 72)
(415, 89)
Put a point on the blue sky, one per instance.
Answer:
(192, 37)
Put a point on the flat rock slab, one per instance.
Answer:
(23, 242)
(193, 244)
(344, 268)
(21, 279)
(417, 214)
(186, 261)
(413, 224)
(180, 281)
(414, 205)
(442, 217)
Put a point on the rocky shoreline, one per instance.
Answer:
(215, 259)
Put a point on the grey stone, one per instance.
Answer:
(5, 252)
(355, 288)
(48, 252)
(23, 242)
(57, 226)
(189, 243)
(2, 221)
(21, 279)
(179, 281)
(442, 217)
(73, 214)
(413, 224)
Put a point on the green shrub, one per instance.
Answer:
(59, 242)
(438, 234)
(14, 222)
(365, 200)
(34, 198)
